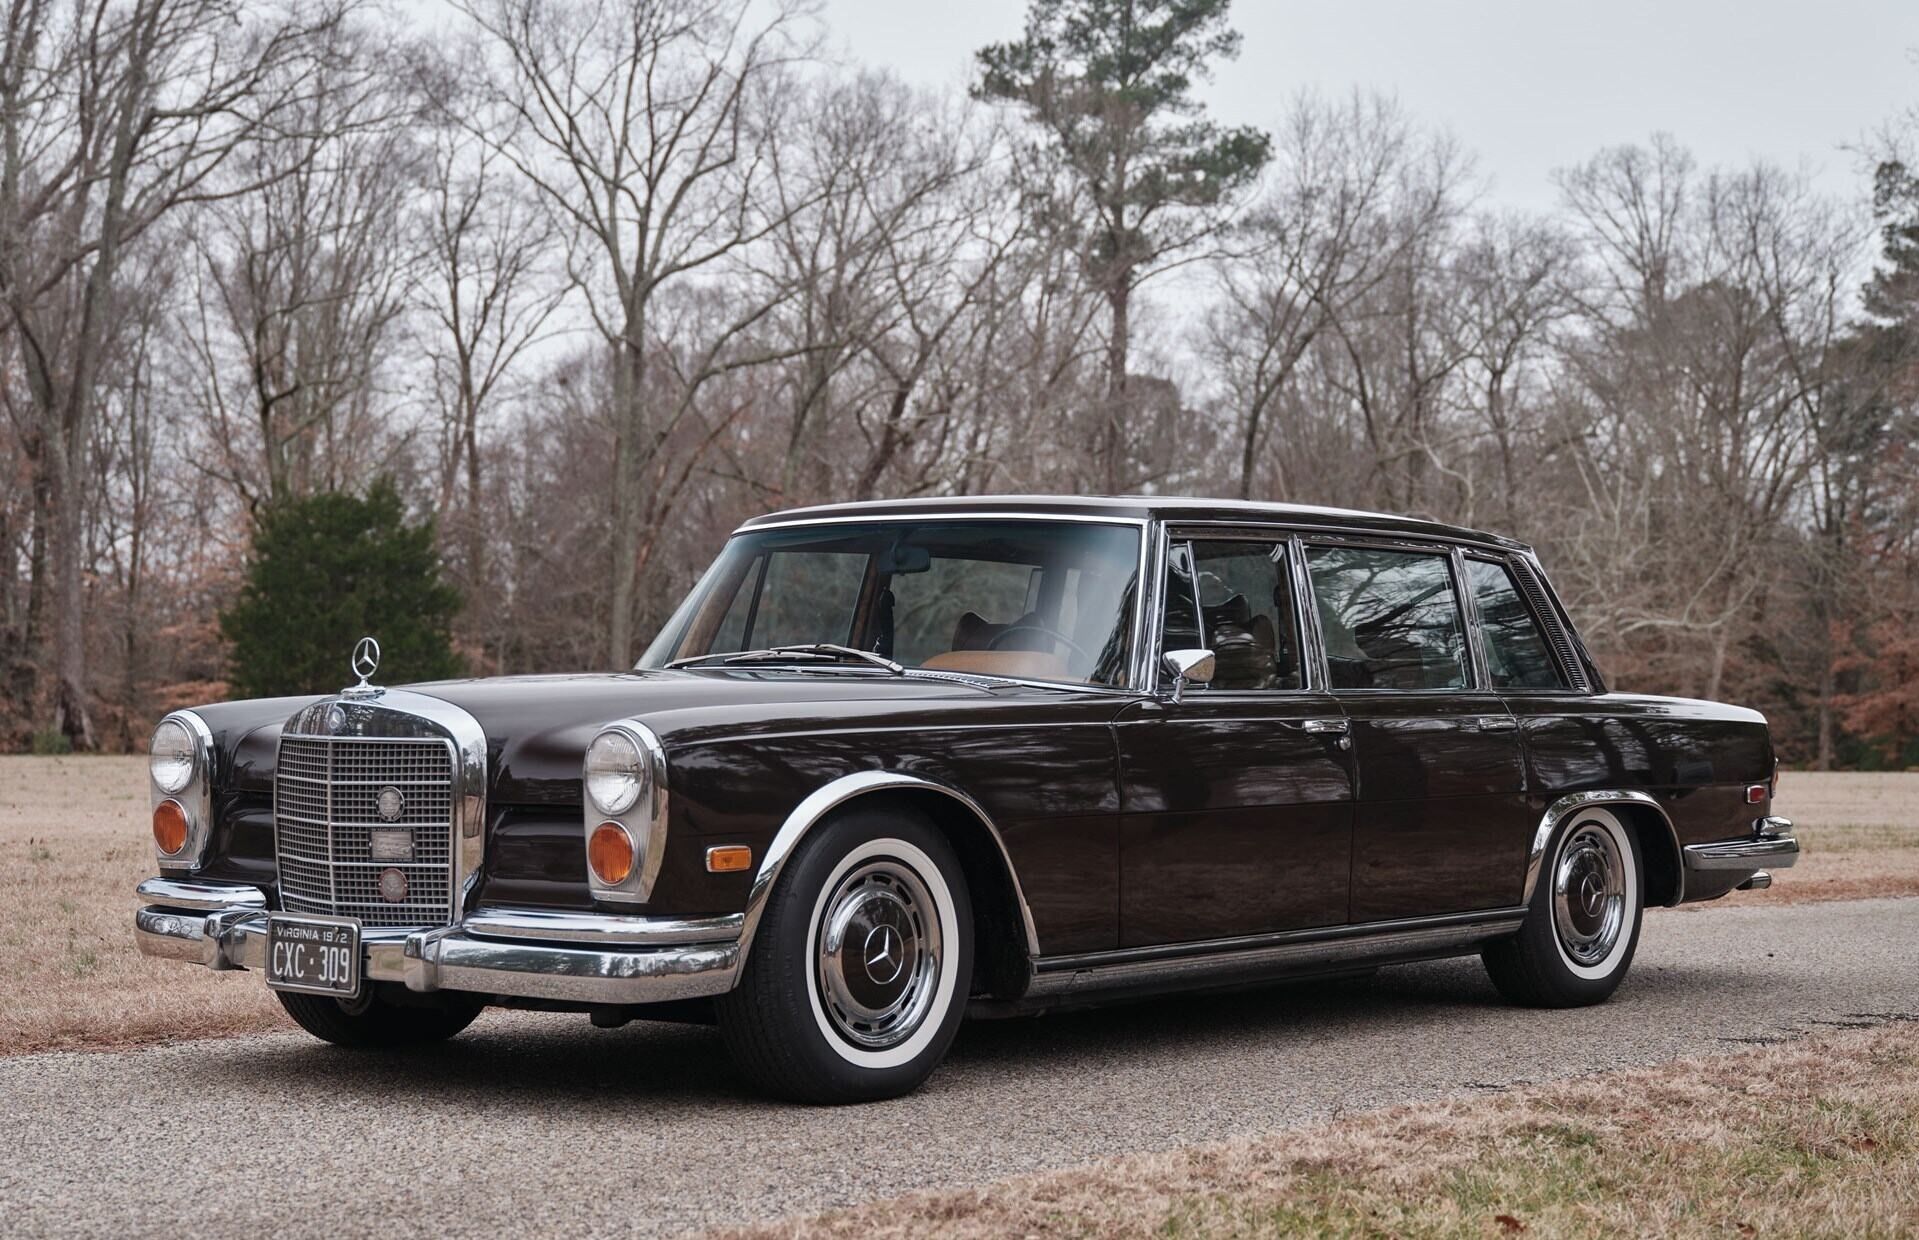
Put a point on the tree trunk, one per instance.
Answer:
(477, 604)
(70, 712)
(1249, 447)
(629, 454)
(1110, 448)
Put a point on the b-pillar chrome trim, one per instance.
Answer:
(832, 795)
(1557, 813)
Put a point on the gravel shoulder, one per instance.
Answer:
(541, 1124)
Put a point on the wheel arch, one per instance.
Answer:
(1005, 937)
(1643, 816)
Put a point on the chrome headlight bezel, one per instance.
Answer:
(194, 795)
(643, 814)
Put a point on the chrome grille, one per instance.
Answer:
(324, 812)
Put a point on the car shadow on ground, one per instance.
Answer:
(511, 1057)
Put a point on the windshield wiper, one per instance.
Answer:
(827, 651)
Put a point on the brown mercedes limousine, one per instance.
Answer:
(893, 763)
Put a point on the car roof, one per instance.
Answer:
(1140, 508)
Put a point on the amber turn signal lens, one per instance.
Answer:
(170, 827)
(610, 852)
(729, 858)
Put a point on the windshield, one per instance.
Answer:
(1032, 600)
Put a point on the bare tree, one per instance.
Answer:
(646, 127)
(490, 291)
(1316, 240)
(303, 281)
(113, 113)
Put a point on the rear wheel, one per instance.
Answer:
(1583, 925)
(861, 966)
(373, 1020)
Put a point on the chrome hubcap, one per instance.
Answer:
(1589, 894)
(879, 954)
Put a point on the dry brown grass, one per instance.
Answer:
(1817, 1138)
(73, 842)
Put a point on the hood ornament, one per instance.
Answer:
(366, 661)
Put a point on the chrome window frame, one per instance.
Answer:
(1137, 684)
(1311, 656)
(1539, 622)
(1449, 550)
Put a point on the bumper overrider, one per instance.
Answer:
(590, 958)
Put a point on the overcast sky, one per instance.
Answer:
(1527, 85)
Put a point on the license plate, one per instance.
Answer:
(314, 955)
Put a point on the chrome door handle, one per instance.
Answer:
(1323, 725)
(1497, 723)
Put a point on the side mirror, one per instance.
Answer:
(1187, 667)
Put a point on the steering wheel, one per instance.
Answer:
(1043, 631)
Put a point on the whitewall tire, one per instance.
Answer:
(861, 966)
(1582, 926)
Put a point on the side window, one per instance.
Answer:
(1517, 656)
(1235, 598)
(1390, 619)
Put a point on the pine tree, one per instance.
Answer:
(326, 571)
(1109, 83)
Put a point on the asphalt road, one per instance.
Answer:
(542, 1124)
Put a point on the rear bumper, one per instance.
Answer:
(1771, 846)
(519, 953)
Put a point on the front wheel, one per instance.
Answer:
(1582, 927)
(860, 970)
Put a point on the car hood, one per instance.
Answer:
(538, 727)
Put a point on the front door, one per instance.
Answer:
(1237, 799)
(1441, 821)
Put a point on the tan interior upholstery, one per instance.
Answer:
(1030, 664)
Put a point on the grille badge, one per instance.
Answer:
(393, 886)
(391, 803)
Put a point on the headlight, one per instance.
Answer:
(171, 756)
(615, 773)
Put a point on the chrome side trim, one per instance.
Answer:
(647, 816)
(196, 798)
(1249, 958)
(553, 926)
(832, 795)
(208, 896)
(1557, 812)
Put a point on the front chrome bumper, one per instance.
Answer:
(522, 953)
(1771, 846)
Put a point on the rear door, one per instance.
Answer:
(1237, 798)
(1441, 819)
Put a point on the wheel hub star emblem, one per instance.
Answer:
(883, 956)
